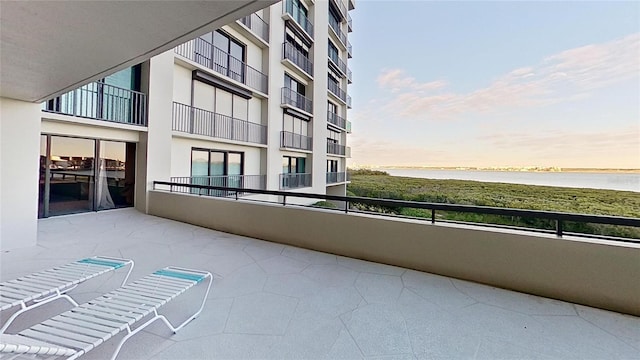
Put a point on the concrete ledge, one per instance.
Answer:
(594, 273)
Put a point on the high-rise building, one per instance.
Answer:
(259, 103)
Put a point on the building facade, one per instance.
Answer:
(259, 103)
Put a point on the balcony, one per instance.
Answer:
(101, 101)
(333, 148)
(336, 177)
(348, 102)
(349, 50)
(338, 64)
(352, 4)
(336, 120)
(256, 182)
(342, 7)
(257, 25)
(349, 76)
(335, 26)
(335, 89)
(349, 23)
(191, 120)
(347, 152)
(349, 132)
(293, 12)
(294, 181)
(223, 63)
(289, 140)
(296, 100)
(289, 52)
(275, 300)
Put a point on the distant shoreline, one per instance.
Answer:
(562, 170)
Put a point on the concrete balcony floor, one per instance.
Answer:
(272, 301)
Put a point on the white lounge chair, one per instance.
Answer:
(43, 287)
(129, 309)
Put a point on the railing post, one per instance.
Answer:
(559, 228)
(284, 200)
(433, 216)
(346, 207)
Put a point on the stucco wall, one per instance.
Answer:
(597, 274)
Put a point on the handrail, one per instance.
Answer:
(559, 217)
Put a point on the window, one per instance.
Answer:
(332, 166)
(228, 55)
(296, 41)
(293, 165)
(333, 136)
(333, 108)
(294, 84)
(216, 168)
(295, 125)
(334, 54)
(300, 12)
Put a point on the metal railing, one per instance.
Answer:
(349, 23)
(342, 7)
(349, 131)
(101, 101)
(347, 152)
(348, 101)
(349, 76)
(335, 148)
(296, 180)
(295, 141)
(336, 120)
(296, 14)
(256, 24)
(291, 97)
(349, 50)
(335, 89)
(339, 64)
(297, 57)
(335, 26)
(336, 177)
(257, 182)
(558, 218)
(189, 119)
(220, 61)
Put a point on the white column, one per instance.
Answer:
(154, 148)
(19, 173)
(320, 83)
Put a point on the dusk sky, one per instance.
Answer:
(496, 84)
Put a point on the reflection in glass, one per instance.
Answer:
(111, 180)
(71, 179)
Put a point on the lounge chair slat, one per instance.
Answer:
(46, 282)
(96, 334)
(86, 324)
(162, 285)
(112, 305)
(138, 304)
(153, 289)
(27, 285)
(62, 276)
(145, 293)
(111, 310)
(93, 320)
(170, 280)
(56, 340)
(88, 268)
(135, 297)
(106, 315)
(50, 328)
(15, 293)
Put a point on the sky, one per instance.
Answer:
(495, 84)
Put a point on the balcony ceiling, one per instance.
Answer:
(48, 48)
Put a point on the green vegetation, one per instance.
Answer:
(378, 184)
(325, 204)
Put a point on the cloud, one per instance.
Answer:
(397, 80)
(566, 76)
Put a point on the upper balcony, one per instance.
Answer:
(295, 56)
(191, 120)
(223, 63)
(340, 5)
(333, 148)
(102, 101)
(291, 11)
(257, 25)
(349, 50)
(338, 64)
(349, 23)
(336, 120)
(291, 98)
(352, 4)
(348, 102)
(349, 76)
(337, 31)
(336, 177)
(349, 129)
(334, 88)
(294, 180)
(289, 140)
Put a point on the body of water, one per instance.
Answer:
(611, 181)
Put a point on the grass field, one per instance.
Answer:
(375, 184)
